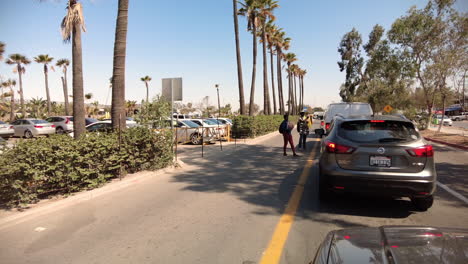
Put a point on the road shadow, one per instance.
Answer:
(453, 175)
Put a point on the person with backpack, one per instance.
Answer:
(285, 128)
(303, 125)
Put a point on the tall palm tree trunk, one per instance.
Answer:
(295, 94)
(289, 91)
(266, 94)
(280, 81)
(12, 105)
(273, 80)
(46, 75)
(240, 80)
(65, 93)
(118, 80)
(147, 93)
(78, 94)
(254, 68)
(302, 92)
(20, 78)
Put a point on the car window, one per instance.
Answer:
(2, 123)
(377, 131)
(209, 122)
(190, 124)
(25, 122)
(197, 122)
(39, 121)
(50, 119)
(17, 122)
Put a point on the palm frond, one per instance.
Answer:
(74, 17)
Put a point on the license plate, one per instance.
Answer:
(380, 161)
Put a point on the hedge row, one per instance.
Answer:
(59, 164)
(254, 126)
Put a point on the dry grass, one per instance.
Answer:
(450, 138)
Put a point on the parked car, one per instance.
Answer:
(394, 244)
(192, 132)
(459, 117)
(213, 127)
(29, 128)
(345, 110)
(6, 130)
(382, 155)
(88, 120)
(224, 121)
(101, 126)
(130, 122)
(446, 120)
(63, 124)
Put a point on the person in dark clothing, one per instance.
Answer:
(285, 128)
(303, 129)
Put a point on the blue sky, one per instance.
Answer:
(189, 39)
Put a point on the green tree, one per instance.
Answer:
(71, 26)
(37, 107)
(19, 61)
(146, 80)
(240, 80)
(250, 9)
(45, 59)
(351, 62)
(64, 63)
(118, 74)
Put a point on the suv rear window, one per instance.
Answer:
(378, 131)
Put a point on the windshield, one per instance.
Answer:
(209, 122)
(190, 123)
(38, 121)
(380, 131)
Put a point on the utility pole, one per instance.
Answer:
(217, 119)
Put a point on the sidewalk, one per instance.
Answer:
(450, 130)
(451, 136)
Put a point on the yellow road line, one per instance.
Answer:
(273, 253)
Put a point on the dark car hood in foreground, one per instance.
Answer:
(395, 244)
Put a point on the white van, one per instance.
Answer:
(345, 110)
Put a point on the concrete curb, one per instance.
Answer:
(446, 143)
(49, 205)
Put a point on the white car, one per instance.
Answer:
(446, 120)
(344, 110)
(31, 127)
(216, 130)
(6, 130)
(63, 124)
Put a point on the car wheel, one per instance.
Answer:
(28, 134)
(59, 130)
(196, 139)
(423, 203)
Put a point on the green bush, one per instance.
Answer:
(254, 126)
(36, 168)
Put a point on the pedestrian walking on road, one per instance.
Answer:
(285, 128)
(303, 125)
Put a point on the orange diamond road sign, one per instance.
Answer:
(388, 108)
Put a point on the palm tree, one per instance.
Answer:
(11, 84)
(20, 61)
(270, 37)
(64, 63)
(289, 58)
(45, 59)
(265, 14)
(240, 80)
(281, 43)
(302, 74)
(118, 73)
(146, 79)
(88, 96)
(72, 24)
(37, 106)
(2, 50)
(294, 70)
(250, 9)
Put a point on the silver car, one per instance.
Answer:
(6, 130)
(378, 155)
(63, 124)
(29, 128)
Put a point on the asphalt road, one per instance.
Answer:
(461, 124)
(223, 208)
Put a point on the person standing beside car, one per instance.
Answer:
(285, 128)
(303, 125)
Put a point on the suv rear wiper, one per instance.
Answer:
(392, 139)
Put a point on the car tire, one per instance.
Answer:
(196, 139)
(423, 203)
(28, 134)
(60, 130)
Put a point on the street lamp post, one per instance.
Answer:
(217, 119)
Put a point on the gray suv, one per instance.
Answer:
(378, 155)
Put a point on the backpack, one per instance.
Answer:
(283, 127)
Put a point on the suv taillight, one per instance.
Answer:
(339, 149)
(36, 126)
(322, 123)
(424, 151)
(327, 126)
(67, 121)
(11, 127)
